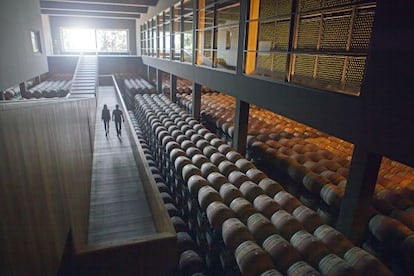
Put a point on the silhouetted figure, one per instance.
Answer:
(117, 116)
(106, 116)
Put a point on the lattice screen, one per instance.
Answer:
(308, 35)
(335, 31)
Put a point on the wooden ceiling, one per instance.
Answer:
(121, 9)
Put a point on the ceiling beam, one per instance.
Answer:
(90, 14)
(92, 7)
(113, 2)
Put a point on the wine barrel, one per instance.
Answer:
(208, 168)
(234, 233)
(365, 263)
(251, 259)
(226, 167)
(184, 242)
(266, 205)
(301, 268)
(271, 272)
(333, 239)
(244, 165)
(243, 208)
(281, 251)
(217, 213)
(256, 175)
(207, 195)
(260, 227)
(270, 187)
(250, 190)
(194, 183)
(190, 263)
(217, 157)
(237, 178)
(332, 265)
(179, 224)
(308, 218)
(190, 170)
(287, 201)
(286, 224)
(229, 192)
(332, 195)
(310, 247)
(216, 179)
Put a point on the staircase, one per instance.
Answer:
(84, 81)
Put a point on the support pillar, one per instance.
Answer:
(196, 101)
(22, 87)
(159, 81)
(356, 203)
(241, 122)
(173, 88)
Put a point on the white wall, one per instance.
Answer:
(18, 62)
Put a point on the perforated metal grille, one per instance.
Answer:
(355, 71)
(336, 32)
(208, 39)
(330, 68)
(264, 62)
(308, 33)
(266, 34)
(304, 65)
(279, 63)
(282, 35)
(361, 34)
(311, 5)
(284, 7)
(267, 8)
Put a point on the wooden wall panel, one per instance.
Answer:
(45, 172)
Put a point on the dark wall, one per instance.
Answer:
(109, 65)
(56, 22)
(18, 63)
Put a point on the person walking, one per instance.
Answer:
(117, 116)
(106, 116)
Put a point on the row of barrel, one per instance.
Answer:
(318, 177)
(189, 261)
(133, 85)
(333, 168)
(183, 87)
(218, 110)
(45, 89)
(236, 212)
(49, 89)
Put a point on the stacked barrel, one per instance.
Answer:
(241, 219)
(49, 89)
(184, 87)
(313, 165)
(190, 261)
(11, 93)
(133, 85)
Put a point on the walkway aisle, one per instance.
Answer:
(118, 208)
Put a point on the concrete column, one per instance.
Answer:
(241, 121)
(196, 101)
(173, 88)
(356, 203)
(159, 81)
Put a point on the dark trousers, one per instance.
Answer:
(106, 125)
(118, 127)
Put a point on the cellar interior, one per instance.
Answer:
(260, 137)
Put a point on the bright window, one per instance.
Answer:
(100, 40)
(112, 40)
(78, 40)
